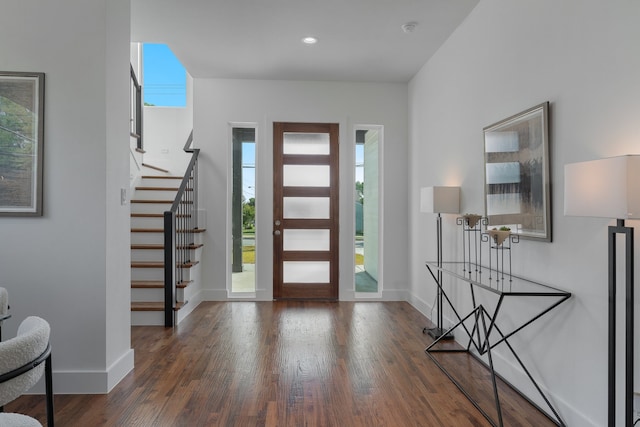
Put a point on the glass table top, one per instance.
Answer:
(494, 281)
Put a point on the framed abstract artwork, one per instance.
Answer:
(21, 143)
(517, 188)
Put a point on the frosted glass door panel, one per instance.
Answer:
(305, 271)
(305, 143)
(306, 176)
(306, 240)
(306, 207)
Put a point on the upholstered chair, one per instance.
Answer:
(23, 360)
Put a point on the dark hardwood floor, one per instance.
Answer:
(285, 364)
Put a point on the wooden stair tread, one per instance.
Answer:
(160, 264)
(147, 246)
(156, 215)
(148, 188)
(151, 201)
(156, 201)
(161, 230)
(157, 188)
(156, 284)
(147, 264)
(191, 246)
(154, 306)
(158, 246)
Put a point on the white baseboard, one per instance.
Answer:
(119, 369)
(420, 305)
(194, 301)
(387, 295)
(88, 382)
(214, 295)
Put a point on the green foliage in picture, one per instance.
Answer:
(17, 153)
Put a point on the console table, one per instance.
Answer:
(481, 326)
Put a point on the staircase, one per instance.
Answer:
(151, 199)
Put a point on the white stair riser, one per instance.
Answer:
(146, 222)
(147, 295)
(147, 274)
(147, 255)
(198, 238)
(156, 255)
(147, 238)
(155, 194)
(153, 295)
(149, 207)
(196, 254)
(160, 182)
(155, 273)
(147, 318)
(158, 238)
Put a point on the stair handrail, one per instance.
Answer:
(180, 222)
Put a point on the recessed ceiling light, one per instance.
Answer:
(310, 40)
(409, 27)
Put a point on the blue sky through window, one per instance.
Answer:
(249, 170)
(360, 162)
(165, 79)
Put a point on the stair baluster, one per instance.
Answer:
(179, 225)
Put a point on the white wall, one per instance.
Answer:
(584, 58)
(62, 266)
(217, 103)
(166, 130)
(119, 355)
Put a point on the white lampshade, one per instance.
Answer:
(440, 199)
(605, 188)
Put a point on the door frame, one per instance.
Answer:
(294, 290)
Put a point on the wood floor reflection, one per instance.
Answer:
(282, 364)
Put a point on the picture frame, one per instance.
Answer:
(517, 187)
(21, 143)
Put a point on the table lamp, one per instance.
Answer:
(610, 188)
(439, 200)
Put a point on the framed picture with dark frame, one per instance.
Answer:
(21, 143)
(517, 188)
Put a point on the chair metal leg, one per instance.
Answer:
(48, 377)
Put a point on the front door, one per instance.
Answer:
(305, 211)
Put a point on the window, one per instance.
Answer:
(165, 79)
(367, 210)
(243, 210)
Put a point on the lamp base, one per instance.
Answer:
(436, 333)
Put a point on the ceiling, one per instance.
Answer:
(359, 40)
